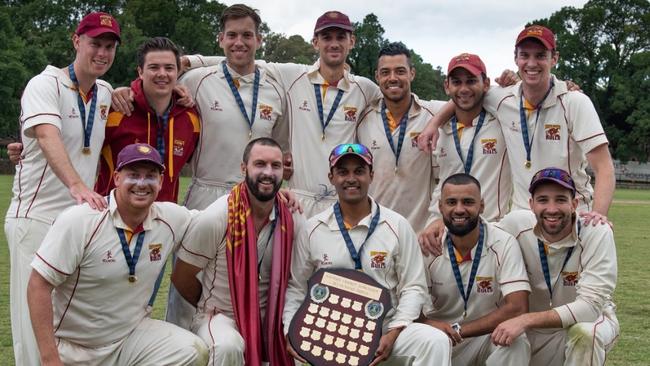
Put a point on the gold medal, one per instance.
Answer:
(323, 137)
(464, 314)
(85, 150)
(395, 169)
(528, 164)
(250, 134)
(132, 278)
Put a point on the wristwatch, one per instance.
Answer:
(456, 327)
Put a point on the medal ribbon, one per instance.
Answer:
(470, 153)
(273, 223)
(160, 136)
(356, 257)
(319, 103)
(87, 126)
(240, 102)
(402, 130)
(544, 260)
(131, 261)
(475, 262)
(524, 122)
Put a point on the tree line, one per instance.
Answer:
(604, 47)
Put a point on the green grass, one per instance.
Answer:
(631, 233)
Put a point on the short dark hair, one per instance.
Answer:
(158, 44)
(238, 11)
(394, 49)
(264, 141)
(459, 179)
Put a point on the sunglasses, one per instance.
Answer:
(343, 149)
(554, 173)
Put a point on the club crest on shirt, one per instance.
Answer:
(154, 252)
(103, 111)
(569, 278)
(414, 138)
(378, 259)
(108, 257)
(552, 132)
(484, 285)
(266, 112)
(304, 106)
(350, 113)
(179, 147)
(489, 146)
(215, 106)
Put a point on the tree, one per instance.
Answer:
(369, 40)
(279, 48)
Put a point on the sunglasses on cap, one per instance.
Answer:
(350, 149)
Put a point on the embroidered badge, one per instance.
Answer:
(108, 258)
(154, 252)
(179, 147)
(103, 111)
(484, 285)
(552, 132)
(266, 112)
(489, 146)
(350, 113)
(378, 259)
(569, 278)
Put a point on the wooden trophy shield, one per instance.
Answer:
(340, 320)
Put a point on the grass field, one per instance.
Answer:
(630, 214)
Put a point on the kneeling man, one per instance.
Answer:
(102, 266)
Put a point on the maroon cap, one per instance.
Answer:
(553, 175)
(333, 19)
(342, 150)
(139, 153)
(97, 23)
(539, 32)
(469, 62)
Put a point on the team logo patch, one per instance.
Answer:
(154, 252)
(103, 111)
(106, 20)
(552, 132)
(215, 106)
(179, 147)
(570, 278)
(266, 112)
(414, 138)
(374, 145)
(73, 113)
(304, 106)
(326, 260)
(108, 257)
(350, 113)
(144, 149)
(489, 146)
(484, 285)
(378, 259)
(514, 127)
(442, 153)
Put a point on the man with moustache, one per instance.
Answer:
(572, 270)
(471, 142)
(324, 103)
(102, 265)
(63, 113)
(242, 242)
(357, 232)
(157, 119)
(545, 124)
(478, 281)
(403, 175)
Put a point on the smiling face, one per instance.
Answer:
(239, 41)
(94, 55)
(534, 62)
(460, 206)
(263, 171)
(333, 46)
(394, 76)
(137, 185)
(466, 90)
(554, 209)
(158, 74)
(351, 177)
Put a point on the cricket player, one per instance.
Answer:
(404, 176)
(357, 232)
(544, 125)
(94, 273)
(572, 270)
(63, 113)
(242, 243)
(479, 280)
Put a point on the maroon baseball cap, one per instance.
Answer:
(98, 23)
(469, 62)
(333, 19)
(553, 175)
(540, 33)
(139, 153)
(342, 150)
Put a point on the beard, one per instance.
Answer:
(460, 230)
(253, 187)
